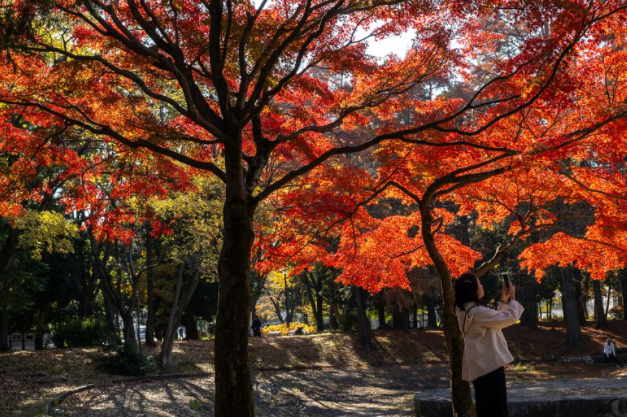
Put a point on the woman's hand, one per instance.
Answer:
(508, 293)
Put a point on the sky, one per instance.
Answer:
(398, 45)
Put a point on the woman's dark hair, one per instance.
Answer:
(466, 287)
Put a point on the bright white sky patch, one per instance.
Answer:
(397, 45)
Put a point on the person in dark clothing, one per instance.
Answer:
(256, 327)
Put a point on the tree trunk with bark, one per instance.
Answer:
(313, 287)
(569, 303)
(182, 296)
(128, 329)
(530, 302)
(364, 333)
(334, 316)
(124, 303)
(234, 394)
(277, 309)
(381, 310)
(463, 405)
(599, 311)
(191, 329)
(319, 316)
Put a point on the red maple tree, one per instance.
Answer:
(260, 96)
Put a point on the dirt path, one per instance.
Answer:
(380, 391)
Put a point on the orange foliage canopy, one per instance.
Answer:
(507, 100)
(566, 146)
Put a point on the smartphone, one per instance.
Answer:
(506, 281)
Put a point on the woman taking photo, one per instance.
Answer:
(486, 350)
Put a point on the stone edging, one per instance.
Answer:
(585, 359)
(57, 400)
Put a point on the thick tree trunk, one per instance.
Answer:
(362, 318)
(333, 316)
(460, 390)
(569, 303)
(128, 329)
(599, 312)
(530, 302)
(234, 394)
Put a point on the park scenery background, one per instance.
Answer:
(172, 169)
(327, 374)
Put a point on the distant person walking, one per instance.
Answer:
(256, 327)
(609, 350)
(486, 350)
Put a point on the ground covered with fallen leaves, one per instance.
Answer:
(324, 375)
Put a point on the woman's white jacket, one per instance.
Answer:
(486, 349)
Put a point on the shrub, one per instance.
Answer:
(127, 360)
(616, 313)
(285, 331)
(79, 333)
(349, 321)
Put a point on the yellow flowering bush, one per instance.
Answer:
(285, 331)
